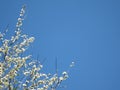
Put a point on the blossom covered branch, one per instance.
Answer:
(19, 72)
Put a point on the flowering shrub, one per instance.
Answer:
(18, 72)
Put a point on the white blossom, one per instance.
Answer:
(14, 64)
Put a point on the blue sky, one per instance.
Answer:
(84, 31)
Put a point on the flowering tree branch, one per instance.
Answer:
(18, 72)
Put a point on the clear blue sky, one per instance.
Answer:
(87, 31)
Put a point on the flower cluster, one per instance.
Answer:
(19, 72)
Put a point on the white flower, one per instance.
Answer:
(72, 64)
(0, 49)
(27, 81)
(61, 78)
(23, 49)
(26, 73)
(64, 73)
(24, 85)
(31, 39)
